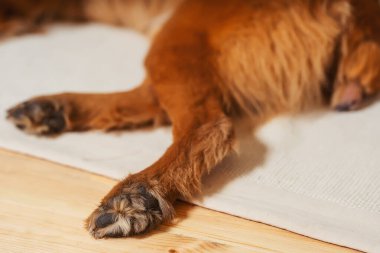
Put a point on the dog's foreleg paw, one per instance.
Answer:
(39, 117)
(135, 210)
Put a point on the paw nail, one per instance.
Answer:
(104, 220)
(21, 127)
(343, 107)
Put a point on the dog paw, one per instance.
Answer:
(137, 209)
(39, 117)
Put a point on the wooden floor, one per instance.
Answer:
(43, 205)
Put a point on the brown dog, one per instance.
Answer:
(210, 61)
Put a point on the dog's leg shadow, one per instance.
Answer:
(251, 154)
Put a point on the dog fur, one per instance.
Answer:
(209, 62)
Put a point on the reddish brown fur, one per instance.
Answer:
(211, 61)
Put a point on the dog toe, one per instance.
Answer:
(40, 117)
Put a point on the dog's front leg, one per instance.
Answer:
(144, 200)
(184, 79)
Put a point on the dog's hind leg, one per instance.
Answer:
(24, 16)
(358, 76)
(18, 17)
(50, 115)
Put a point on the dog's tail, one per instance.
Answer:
(23, 16)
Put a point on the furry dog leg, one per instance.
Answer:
(359, 72)
(47, 115)
(203, 135)
(25, 16)
(144, 200)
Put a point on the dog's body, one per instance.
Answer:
(211, 61)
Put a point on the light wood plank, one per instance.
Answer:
(42, 207)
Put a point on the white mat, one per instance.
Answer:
(317, 175)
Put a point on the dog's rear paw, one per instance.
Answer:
(137, 209)
(39, 116)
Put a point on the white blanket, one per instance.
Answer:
(317, 175)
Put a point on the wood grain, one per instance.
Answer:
(43, 205)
